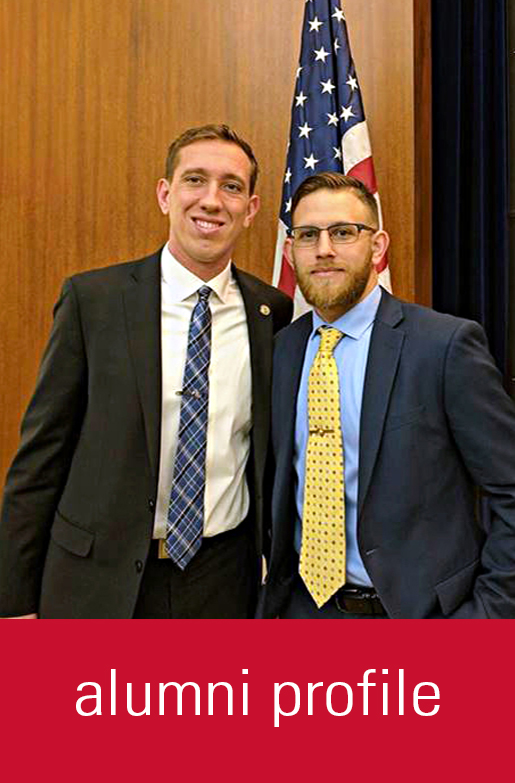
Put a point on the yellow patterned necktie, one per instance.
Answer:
(322, 554)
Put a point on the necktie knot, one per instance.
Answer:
(204, 293)
(329, 339)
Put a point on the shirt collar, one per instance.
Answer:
(355, 321)
(182, 283)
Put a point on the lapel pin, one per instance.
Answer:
(264, 309)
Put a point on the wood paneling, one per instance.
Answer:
(94, 91)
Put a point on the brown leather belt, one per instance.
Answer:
(353, 599)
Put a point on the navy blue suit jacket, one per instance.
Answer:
(436, 424)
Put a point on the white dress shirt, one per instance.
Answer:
(226, 500)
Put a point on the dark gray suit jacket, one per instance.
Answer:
(435, 425)
(79, 502)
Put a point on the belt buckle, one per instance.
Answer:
(354, 602)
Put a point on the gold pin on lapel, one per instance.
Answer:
(264, 309)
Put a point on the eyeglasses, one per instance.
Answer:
(339, 233)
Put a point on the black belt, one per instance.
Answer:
(157, 544)
(354, 599)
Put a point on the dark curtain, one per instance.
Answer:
(470, 165)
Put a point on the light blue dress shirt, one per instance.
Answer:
(351, 356)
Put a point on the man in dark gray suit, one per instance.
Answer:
(137, 487)
(422, 422)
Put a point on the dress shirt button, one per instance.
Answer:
(151, 504)
(139, 566)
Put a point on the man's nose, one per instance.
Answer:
(210, 197)
(324, 245)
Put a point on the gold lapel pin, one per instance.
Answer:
(264, 309)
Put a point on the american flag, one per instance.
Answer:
(328, 129)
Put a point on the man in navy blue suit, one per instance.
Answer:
(424, 423)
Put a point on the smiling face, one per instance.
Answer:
(335, 277)
(208, 203)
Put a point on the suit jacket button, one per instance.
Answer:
(151, 504)
(139, 566)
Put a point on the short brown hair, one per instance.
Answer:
(210, 133)
(333, 180)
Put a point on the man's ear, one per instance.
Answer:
(380, 244)
(252, 210)
(288, 252)
(163, 195)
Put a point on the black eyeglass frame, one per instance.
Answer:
(360, 226)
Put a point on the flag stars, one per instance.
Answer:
(347, 113)
(299, 71)
(352, 82)
(337, 153)
(300, 99)
(336, 45)
(328, 86)
(321, 54)
(287, 206)
(311, 162)
(315, 25)
(287, 176)
(305, 130)
(333, 119)
(338, 14)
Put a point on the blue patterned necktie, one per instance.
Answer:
(186, 510)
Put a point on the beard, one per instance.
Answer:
(325, 294)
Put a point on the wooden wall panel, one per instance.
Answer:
(93, 92)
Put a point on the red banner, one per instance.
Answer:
(264, 700)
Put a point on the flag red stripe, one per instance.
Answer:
(364, 171)
(287, 279)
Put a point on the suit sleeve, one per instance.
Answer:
(35, 481)
(482, 421)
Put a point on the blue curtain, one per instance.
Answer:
(470, 165)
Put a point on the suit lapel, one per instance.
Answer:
(260, 328)
(289, 371)
(142, 304)
(383, 359)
